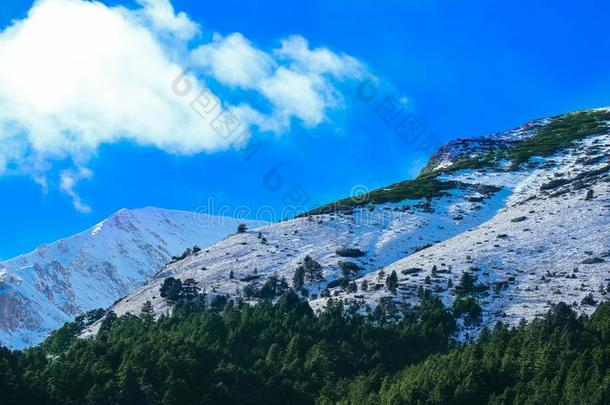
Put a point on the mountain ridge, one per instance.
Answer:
(41, 290)
(480, 194)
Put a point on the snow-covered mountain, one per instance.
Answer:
(41, 290)
(526, 213)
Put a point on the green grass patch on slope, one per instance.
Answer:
(559, 134)
(420, 187)
(424, 186)
(471, 162)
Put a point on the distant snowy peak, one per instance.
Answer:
(41, 290)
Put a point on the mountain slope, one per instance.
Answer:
(41, 290)
(550, 243)
(385, 236)
(518, 211)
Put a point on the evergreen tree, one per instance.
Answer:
(171, 289)
(468, 286)
(392, 281)
(468, 308)
(218, 302)
(190, 289)
(298, 279)
(313, 270)
(107, 323)
(272, 288)
(147, 313)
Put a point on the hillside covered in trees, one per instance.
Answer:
(230, 353)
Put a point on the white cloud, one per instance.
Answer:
(160, 13)
(301, 95)
(322, 61)
(233, 61)
(296, 81)
(68, 180)
(77, 74)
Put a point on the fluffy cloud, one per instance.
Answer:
(160, 14)
(301, 95)
(77, 74)
(298, 82)
(233, 61)
(320, 61)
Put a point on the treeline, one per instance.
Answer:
(560, 359)
(234, 354)
(283, 353)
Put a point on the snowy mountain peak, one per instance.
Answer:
(41, 290)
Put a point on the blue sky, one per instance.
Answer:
(465, 69)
